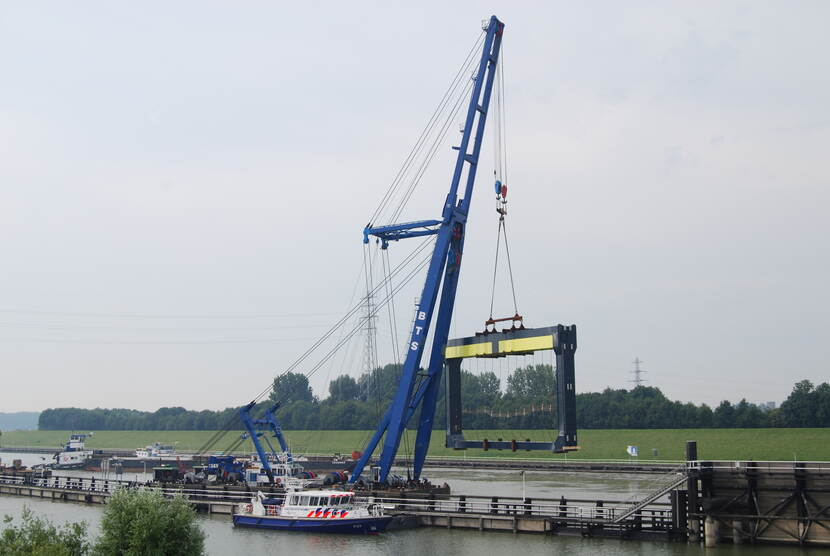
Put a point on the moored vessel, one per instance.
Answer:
(74, 454)
(160, 452)
(321, 511)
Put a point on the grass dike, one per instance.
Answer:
(808, 444)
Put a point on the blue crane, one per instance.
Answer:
(256, 429)
(416, 388)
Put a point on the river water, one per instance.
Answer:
(223, 538)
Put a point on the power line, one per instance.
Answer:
(159, 316)
(74, 326)
(151, 342)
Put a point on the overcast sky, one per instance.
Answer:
(183, 188)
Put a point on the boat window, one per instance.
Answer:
(293, 500)
(304, 501)
(333, 501)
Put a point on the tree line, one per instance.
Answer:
(528, 401)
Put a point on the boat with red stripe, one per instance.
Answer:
(322, 511)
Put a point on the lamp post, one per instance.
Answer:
(524, 497)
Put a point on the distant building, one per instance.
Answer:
(767, 406)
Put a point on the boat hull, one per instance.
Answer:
(358, 526)
(65, 466)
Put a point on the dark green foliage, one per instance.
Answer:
(528, 402)
(807, 406)
(144, 522)
(380, 384)
(36, 536)
(343, 389)
(292, 387)
(531, 382)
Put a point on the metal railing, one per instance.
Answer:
(768, 466)
(656, 515)
(666, 486)
(108, 486)
(560, 510)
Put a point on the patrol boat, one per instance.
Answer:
(318, 511)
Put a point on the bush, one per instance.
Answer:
(143, 522)
(37, 536)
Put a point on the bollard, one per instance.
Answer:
(711, 531)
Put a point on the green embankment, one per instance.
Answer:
(715, 444)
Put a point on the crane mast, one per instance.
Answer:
(417, 388)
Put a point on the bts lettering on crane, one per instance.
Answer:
(422, 316)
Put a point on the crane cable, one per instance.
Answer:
(453, 97)
(218, 435)
(360, 305)
(500, 179)
(403, 282)
(427, 131)
(502, 231)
